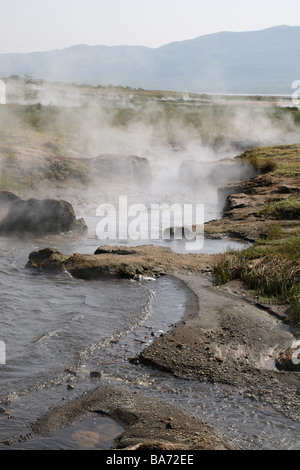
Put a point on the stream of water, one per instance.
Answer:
(64, 336)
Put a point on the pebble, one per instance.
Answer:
(95, 375)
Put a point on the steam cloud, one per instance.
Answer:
(170, 131)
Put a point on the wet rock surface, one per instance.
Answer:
(231, 341)
(149, 423)
(121, 262)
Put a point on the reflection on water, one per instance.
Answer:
(96, 433)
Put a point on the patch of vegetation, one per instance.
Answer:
(288, 208)
(9, 182)
(271, 268)
(37, 116)
(65, 169)
(293, 112)
(281, 160)
(124, 116)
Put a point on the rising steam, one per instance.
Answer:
(172, 132)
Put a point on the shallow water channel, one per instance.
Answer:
(65, 336)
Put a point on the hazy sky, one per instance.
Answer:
(38, 25)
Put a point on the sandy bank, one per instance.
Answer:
(225, 338)
(149, 423)
(232, 339)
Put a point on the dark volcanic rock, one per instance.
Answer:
(115, 251)
(47, 258)
(40, 217)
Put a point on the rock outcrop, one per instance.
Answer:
(243, 204)
(40, 217)
(47, 167)
(121, 262)
(126, 168)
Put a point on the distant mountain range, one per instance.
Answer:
(255, 62)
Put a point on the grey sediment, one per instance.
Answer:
(149, 423)
(225, 337)
(207, 344)
(229, 340)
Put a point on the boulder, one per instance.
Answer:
(40, 217)
(130, 168)
(48, 258)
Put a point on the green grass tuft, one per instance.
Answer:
(272, 269)
(288, 208)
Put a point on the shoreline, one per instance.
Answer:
(149, 423)
(212, 347)
(226, 335)
(182, 351)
